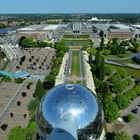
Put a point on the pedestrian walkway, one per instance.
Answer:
(18, 74)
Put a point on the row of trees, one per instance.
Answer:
(29, 42)
(116, 47)
(61, 49)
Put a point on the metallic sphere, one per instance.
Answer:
(75, 99)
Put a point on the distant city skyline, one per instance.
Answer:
(71, 6)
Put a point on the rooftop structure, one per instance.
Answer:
(31, 28)
(136, 26)
(77, 27)
(51, 27)
(39, 32)
(74, 110)
(119, 26)
(100, 20)
(101, 26)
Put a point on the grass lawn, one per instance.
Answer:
(75, 66)
(75, 82)
(128, 54)
(75, 47)
(127, 61)
(132, 72)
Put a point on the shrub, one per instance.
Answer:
(24, 94)
(18, 103)
(4, 127)
(11, 115)
(25, 115)
(33, 105)
(29, 85)
(129, 118)
(106, 52)
(122, 101)
(19, 80)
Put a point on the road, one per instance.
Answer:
(95, 38)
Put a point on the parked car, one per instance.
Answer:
(135, 111)
(120, 119)
(138, 106)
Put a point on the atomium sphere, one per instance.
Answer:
(77, 100)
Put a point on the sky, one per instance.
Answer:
(69, 6)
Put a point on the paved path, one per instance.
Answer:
(133, 127)
(134, 66)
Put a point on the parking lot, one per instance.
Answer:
(133, 127)
(36, 61)
(18, 114)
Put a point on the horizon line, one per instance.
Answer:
(74, 13)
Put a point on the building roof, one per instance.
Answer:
(101, 26)
(51, 27)
(119, 26)
(136, 26)
(120, 30)
(31, 28)
(4, 31)
(136, 31)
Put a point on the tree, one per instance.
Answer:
(24, 94)
(106, 52)
(122, 101)
(121, 136)
(4, 127)
(123, 73)
(138, 49)
(21, 39)
(118, 86)
(108, 70)
(33, 105)
(60, 46)
(19, 133)
(27, 43)
(102, 44)
(42, 44)
(19, 80)
(129, 118)
(110, 108)
(99, 64)
(39, 91)
(51, 78)
(18, 103)
(111, 111)
(92, 51)
(136, 137)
